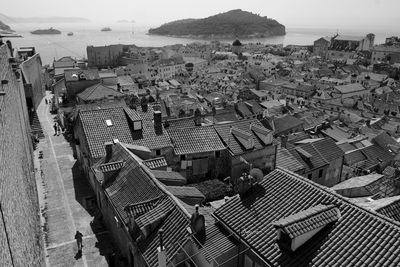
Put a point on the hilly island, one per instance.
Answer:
(232, 24)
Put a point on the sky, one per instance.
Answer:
(361, 14)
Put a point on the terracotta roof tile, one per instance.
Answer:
(282, 193)
(98, 92)
(195, 140)
(233, 143)
(156, 163)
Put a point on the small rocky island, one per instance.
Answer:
(232, 24)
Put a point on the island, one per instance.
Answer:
(232, 24)
(5, 27)
(46, 31)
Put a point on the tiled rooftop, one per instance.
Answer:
(286, 160)
(307, 220)
(233, 143)
(195, 140)
(98, 92)
(358, 238)
(135, 192)
(156, 163)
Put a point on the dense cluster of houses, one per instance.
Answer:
(306, 140)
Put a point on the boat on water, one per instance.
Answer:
(46, 31)
(70, 33)
(106, 29)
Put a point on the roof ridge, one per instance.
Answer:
(319, 153)
(341, 198)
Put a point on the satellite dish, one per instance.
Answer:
(257, 174)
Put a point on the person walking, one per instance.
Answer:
(45, 100)
(78, 237)
(58, 129)
(55, 128)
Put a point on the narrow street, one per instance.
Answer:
(67, 204)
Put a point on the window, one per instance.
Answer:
(183, 157)
(109, 123)
(320, 173)
(158, 152)
(217, 154)
(309, 176)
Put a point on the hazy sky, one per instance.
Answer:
(376, 14)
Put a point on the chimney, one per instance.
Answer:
(162, 257)
(197, 117)
(284, 139)
(245, 183)
(158, 122)
(143, 103)
(109, 151)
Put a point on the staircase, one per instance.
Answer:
(36, 128)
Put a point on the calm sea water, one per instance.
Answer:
(56, 46)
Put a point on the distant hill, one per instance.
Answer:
(231, 24)
(5, 27)
(8, 19)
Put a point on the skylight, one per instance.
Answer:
(109, 122)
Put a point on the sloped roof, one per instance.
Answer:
(133, 186)
(155, 163)
(97, 92)
(358, 238)
(97, 132)
(285, 123)
(232, 142)
(307, 220)
(195, 140)
(391, 210)
(316, 160)
(350, 88)
(359, 181)
(285, 159)
(185, 191)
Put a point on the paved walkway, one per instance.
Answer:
(63, 195)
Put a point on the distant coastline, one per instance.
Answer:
(8, 19)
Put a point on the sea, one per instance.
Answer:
(53, 47)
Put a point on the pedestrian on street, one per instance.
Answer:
(45, 100)
(78, 237)
(55, 128)
(59, 129)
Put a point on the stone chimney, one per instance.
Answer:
(162, 256)
(158, 122)
(197, 117)
(245, 183)
(144, 104)
(284, 139)
(109, 151)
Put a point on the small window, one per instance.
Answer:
(109, 122)
(309, 176)
(320, 173)
(158, 152)
(217, 154)
(183, 157)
